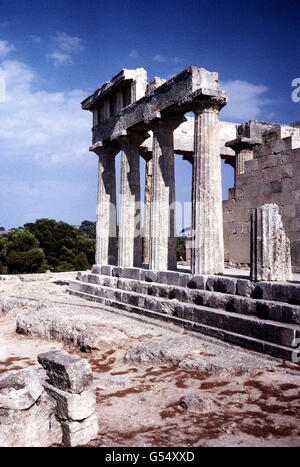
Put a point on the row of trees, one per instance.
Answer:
(46, 244)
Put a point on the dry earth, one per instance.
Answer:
(157, 385)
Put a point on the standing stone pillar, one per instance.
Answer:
(207, 215)
(270, 247)
(162, 221)
(130, 242)
(106, 219)
(147, 210)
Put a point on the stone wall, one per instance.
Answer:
(272, 176)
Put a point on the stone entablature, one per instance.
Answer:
(174, 96)
(122, 90)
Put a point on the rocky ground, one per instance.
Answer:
(157, 385)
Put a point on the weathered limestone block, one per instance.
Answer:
(36, 413)
(33, 427)
(72, 406)
(67, 372)
(221, 284)
(75, 398)
(79, 433)
(270, 247)
(20, 390)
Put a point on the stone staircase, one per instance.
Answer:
(262, 316)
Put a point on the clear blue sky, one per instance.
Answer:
(54, 53)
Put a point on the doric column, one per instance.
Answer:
(243, 148)
(106, 224)
(130, 242)
(147, 210)
(207, 216)
(162, 218)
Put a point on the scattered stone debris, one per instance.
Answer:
(249, 399)
(44, 407)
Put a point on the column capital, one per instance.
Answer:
(132, 139)
(102, 149)
(166, 123)
(242, 144)
(208, 104)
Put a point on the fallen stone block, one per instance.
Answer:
(71, 406)
(79, 433)
(67, 372)
(20, 390)
(34, 427)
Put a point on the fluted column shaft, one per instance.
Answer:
(162, 218)
(207, 216)
(130, 246)
(147, 209)
(106, 219)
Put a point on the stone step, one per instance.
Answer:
(251, 326)
(287, 292)
(265, 309)
(262, 336)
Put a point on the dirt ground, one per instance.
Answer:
(158, 385)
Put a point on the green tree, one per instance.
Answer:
(87, 246)
(180, 246)
(3, 267)
(23, 254)
(81, 262)
(87, 229)
(64, 248)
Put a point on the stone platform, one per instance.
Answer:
(262, 316)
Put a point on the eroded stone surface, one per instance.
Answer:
(270, 247)
(67, 372)
(78, 433)
(72, 406)
(35, 427)
(20, 390)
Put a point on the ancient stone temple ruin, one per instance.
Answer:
(137, 272)
(125, 110)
